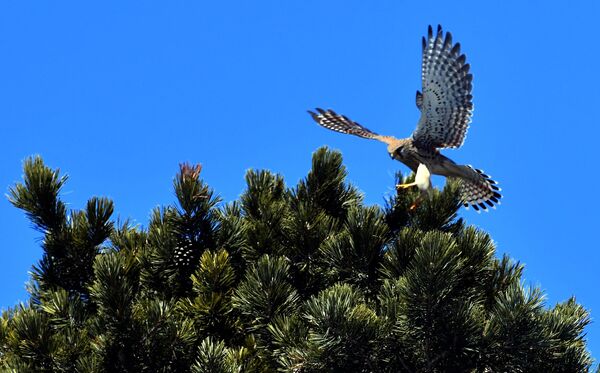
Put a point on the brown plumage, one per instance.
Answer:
(446, 109)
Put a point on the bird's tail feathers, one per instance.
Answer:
(478, 190)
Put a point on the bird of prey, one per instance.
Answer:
(446, 108)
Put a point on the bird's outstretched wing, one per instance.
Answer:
(446, 102)
(340, 123)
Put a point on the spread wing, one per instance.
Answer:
(446, 102)
(340, 123)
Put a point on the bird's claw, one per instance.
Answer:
(403, 186)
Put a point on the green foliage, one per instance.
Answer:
(438, 213)
(38, 195)
(264, 294)
(212, 357)
(29, 341)
(211, 310)
(71, 240)
(354, 255)
(339, 333)
(301, 279)
(264, 208)
(325, 185)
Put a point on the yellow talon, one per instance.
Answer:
(404, 186)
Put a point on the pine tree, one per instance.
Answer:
(291, 279)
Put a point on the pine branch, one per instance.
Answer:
(38, 195)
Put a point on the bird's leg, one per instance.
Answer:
(417, 201)
(405, 186)
(415, 204)
(423, 195)
(422, 181)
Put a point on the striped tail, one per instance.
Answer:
(479, 190)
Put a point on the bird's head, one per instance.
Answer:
(396, 149)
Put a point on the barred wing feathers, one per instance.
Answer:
(446, 102)
(340, 123)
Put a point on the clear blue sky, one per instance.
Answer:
(116, 95)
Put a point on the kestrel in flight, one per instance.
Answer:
(446, 108)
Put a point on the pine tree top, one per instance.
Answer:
(294, 279)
